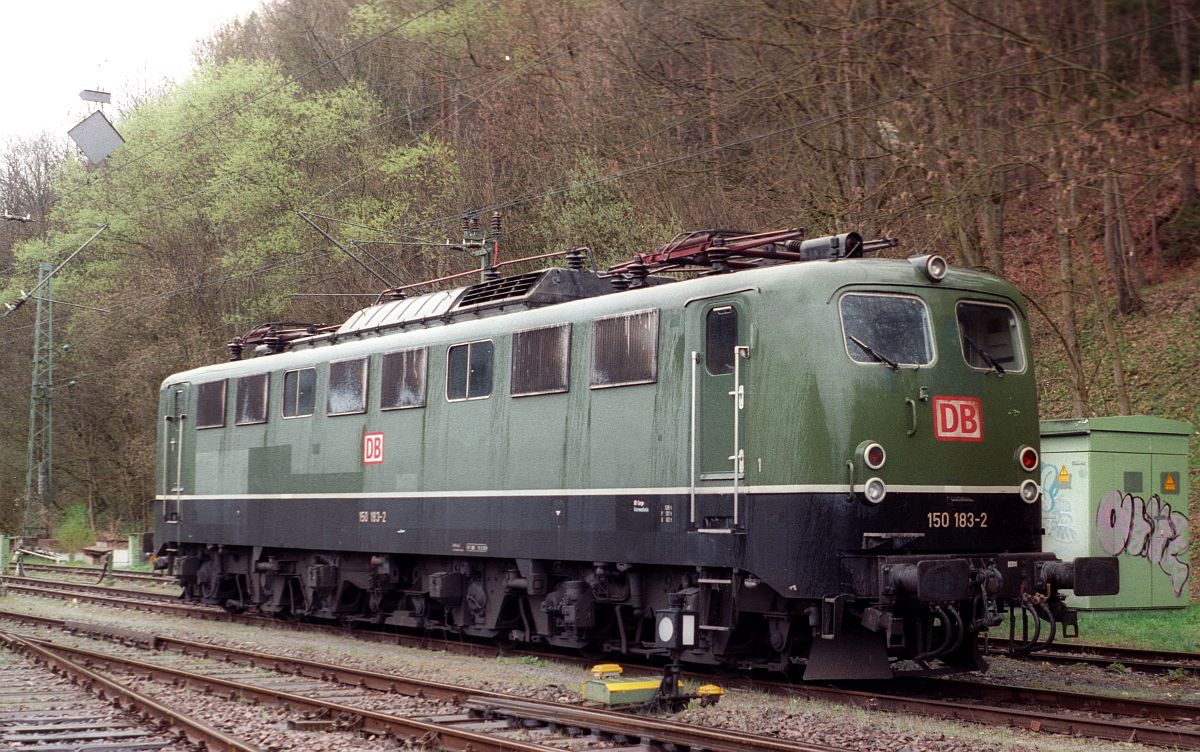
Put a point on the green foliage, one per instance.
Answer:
(448, 26)
(221, 194)
(202, 243)
(73, 531)
(418, 183)
(599, 214)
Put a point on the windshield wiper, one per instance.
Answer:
(983, 354)
(875, 353)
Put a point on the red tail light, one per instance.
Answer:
(875, 456)
(1028, 457)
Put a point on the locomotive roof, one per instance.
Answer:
(432, 319)
(490, 297)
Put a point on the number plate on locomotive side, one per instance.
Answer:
(956, 519)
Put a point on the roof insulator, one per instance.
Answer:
(718, 254)
(575, 259)
(638, 271)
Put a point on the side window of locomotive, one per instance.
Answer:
(299, 392)
(210, 404)
(625, 349)
(885, 329)
(469, 371)
(990, 337)
(347, 392)
(251, 400)
(403, 383)
(720, 337)
(541, 360)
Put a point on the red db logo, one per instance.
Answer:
(957, 419)
(372, 448)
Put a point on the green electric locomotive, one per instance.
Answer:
(802, 455)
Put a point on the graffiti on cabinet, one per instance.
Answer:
(1148, 528)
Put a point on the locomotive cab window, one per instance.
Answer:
(541, 360)
(299, 392)
(887, 329)
(720, 337)
(347, 387)
(469, 371)
(251, 400)
(403, 383)
(210, 404)
(989, 336)
(625, 349)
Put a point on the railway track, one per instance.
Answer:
(448, 717)
(96, 572)
(50, 703)
(77, 588)
(1145, 661)
(163, 603)
(1096, 716)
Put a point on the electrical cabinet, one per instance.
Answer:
(1118, 486)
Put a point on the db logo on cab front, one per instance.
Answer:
(957, 419)
(372, 448)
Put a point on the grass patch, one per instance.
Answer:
(1176, 629)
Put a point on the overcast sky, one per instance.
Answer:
(50, 50)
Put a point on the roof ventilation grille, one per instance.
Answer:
(497, 290)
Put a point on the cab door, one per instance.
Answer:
(174, 436)
(720, 360)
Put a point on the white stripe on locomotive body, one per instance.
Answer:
(535, 492)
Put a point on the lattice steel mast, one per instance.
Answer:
(39, 454)
(39, 457)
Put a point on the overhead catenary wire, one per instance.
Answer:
(10, 307)
(814, 123)
(638, 169)
(319, 252)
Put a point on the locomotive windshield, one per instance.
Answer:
(889, 329)
(990, 340)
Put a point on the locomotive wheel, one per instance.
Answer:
(207, 583)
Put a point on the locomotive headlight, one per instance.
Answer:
(875, 490)
(1030, 491)
(931, 265)
(874, 456)
(1027, 456)
(935, 268)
